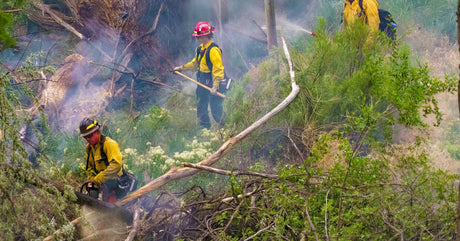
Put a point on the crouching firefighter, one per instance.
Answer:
(104, 165)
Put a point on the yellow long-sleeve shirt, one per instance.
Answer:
(97, 169)
(369, 14)
(215, 56)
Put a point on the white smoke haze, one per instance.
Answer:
(98, 225)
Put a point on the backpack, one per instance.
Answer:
(387, 24)
(126, 182)
(225, 83)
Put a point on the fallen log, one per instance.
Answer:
(178, 173)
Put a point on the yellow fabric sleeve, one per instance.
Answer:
(371, 8)
(192, 65)
(113, 170)
(90, 171)
(217, 67)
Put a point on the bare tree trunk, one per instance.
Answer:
(271, 23)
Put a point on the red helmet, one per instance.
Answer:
(203, 28)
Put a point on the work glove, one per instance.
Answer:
(178, 68)
(214, 89)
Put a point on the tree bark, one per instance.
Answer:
(271, 24)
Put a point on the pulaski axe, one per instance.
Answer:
(198, 83)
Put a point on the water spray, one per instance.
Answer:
(309, 32)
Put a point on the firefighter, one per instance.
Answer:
(365, 10)
(210, 72)
(103, 160)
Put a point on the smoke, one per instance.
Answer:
(99, 225)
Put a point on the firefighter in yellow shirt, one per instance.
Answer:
(210, 71)
(103, 160)
(365, 10)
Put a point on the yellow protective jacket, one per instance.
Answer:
(369, 13)
(97, 169)
(216, 58)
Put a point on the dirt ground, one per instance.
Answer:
(442, 58)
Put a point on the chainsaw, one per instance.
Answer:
(91, 189)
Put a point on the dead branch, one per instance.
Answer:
(385, 220)
(136, 223)
(178, 173)
(46, 8)
(260, 231)
(312, 225)
(12, 10)
(237, 209)
(152, 29)
(260, 28)
(228, 173)
(325, 217)
(295, 146)
(228, 199)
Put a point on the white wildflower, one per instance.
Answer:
(130, 151)
(170, 162)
